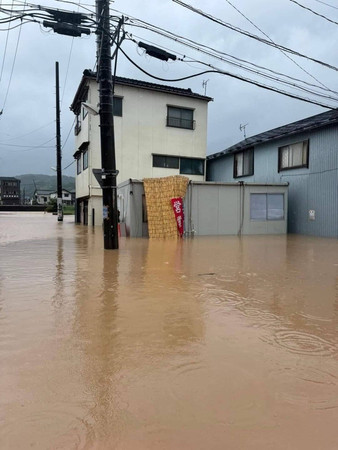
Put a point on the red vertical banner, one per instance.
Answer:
(177, 204)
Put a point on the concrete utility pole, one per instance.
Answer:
(58, 147)
(108, 163)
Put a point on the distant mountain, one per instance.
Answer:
(30, 182)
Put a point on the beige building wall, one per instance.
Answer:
(140, 133)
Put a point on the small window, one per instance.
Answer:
(78, 164)
(266, 207)
(180, 118)
(85, 159)
(293, 156)
(117, 106)
(168, 162)
(84, 112)
(192, 166)
(243, 163)
(77, 127)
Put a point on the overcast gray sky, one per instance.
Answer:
(28, 55)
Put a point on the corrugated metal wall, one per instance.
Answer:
(315, 188)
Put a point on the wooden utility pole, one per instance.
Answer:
(58, 147)
(108, 163)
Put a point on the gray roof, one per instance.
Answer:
(311, 123)
(9, 178)
(89, 74)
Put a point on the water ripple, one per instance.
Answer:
(303, 343)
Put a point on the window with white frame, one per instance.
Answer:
(244, 163)
(293, 156)
(266, 207)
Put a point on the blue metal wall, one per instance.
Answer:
(315, 188)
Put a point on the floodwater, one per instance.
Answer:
(208, 343)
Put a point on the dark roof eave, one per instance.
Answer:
(90, 75)
(324, 119)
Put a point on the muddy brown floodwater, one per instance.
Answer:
(208, 343)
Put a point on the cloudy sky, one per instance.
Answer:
(28, 55)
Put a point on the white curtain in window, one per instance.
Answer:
(239, 164)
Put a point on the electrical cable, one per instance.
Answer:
(210, 52)
(253, 36)
(5, 52)
(268, 37)
(314, 12)
(270, 77)
(323, 3)
(13, 65)
(247, 80)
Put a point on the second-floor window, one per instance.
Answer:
(78, 164)
(85, 159)
(293, 156)
(243, 163)
(117, 106)
(180, 117)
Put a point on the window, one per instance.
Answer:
(169, 162)
(180, 118)
(293, 156)
(192, 166)
(266, 207)
(77, 127)
(85, 159)
(84, 112)
(78, 164)
(243, 163)
(117, 106)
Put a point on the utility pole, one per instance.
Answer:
(108, 162)
(58, 147)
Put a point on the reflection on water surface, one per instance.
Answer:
(215, 342)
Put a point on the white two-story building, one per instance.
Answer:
(159, 131)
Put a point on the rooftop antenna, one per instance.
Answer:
(242, 127)
(204, 84)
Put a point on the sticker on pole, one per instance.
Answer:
(177, 204)
(105, 212)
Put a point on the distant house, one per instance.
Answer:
(43, 196)
(302, 153)
(9, 191)
(68, 197)
(159, 131)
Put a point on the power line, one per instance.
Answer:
(268, 37)
(252, 36)
(233, 61)
(211, 51)
(11, 74)
(239, 77)
(323, 3)
(276, 79)
(30, 132)
(5, 52)
(314, 12)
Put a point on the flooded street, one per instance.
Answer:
(208, 343)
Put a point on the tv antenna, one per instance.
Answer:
(204, 84)
(242, 127)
